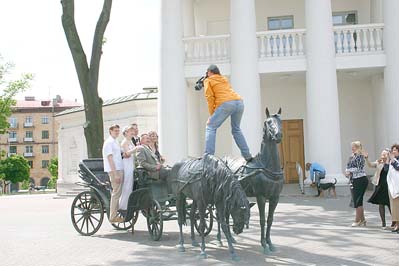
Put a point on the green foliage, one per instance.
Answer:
(53, 169)
(9, 89)
(14, 169)
(25, 184)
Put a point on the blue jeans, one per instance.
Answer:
(234, 109)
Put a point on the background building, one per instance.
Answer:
(33, 133)
(140, 108)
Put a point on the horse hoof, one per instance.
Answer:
(266, 251)
(272, 248)
(194, 243)
(181, 248)
(235, 258)
(203, 255)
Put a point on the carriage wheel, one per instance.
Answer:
(155, 221)
(87, 213)
(208, 220)
(127, 224)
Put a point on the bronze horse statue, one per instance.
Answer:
(208, 181)
(263, 177)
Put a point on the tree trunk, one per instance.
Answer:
(88, 76)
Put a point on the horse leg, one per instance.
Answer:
(194, 242)
(181, 217)
(261, 206)
(228, 228)
(202, 210)
(272, 207)
(219, 234)
(225, 228)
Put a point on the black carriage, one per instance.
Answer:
(155, 199)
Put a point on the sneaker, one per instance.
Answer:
(117, 220)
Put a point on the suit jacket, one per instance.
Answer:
(147, 159)
(136, 142)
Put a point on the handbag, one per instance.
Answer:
(393, 182)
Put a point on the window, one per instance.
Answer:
(13, 122)
(30, 164)
(344, 18)
(45, 149)
(280, 23)
(28, 149)
(29, 134)
(45, 119)
(28, 120)
(45, 134)
(12, 134)
(12, 149)
(45, 163)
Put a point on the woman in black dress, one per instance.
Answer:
(380, 196)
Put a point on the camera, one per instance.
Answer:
(199, 85)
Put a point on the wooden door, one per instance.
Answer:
(292, 149)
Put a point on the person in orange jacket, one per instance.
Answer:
(223, 102)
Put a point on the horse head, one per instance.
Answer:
(272, 129)
(239, 210)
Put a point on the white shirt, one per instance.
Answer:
(111, 146)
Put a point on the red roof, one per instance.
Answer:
(46, 103)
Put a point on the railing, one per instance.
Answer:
(28, 124)
(352, 39)
(281, 43)
(11, 154)
(28, 154)
(358, 38)
(28, 139)
(207, 49)
(11, 139)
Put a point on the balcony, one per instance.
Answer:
(28, 124)
(28, 154)
(11, 154)
(285, 50)
(12, 139)
(28, 139)
(13, 125)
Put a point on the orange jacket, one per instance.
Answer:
(217, 91)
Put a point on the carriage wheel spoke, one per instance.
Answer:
(80, 219)
(87, 225)
(91, 222)
(95, 218)
(83, 223)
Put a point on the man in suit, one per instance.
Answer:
(135, 138)
(147, 159)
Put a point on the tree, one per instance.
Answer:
(9, 89)
(53, 169)
(88, 75)
(14, 169)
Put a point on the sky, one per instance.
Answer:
(32, 37)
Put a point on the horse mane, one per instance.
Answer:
(224, 183)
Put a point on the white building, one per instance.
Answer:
(332, 65)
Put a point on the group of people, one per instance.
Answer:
(121, 159)
(385, 180)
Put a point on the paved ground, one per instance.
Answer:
(35, 230)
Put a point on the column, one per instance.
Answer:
(244, 69)
(391, 77)
(172, 109)
(376, 11)
(193, 101)
(322, 107)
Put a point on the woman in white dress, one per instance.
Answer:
(127, 148)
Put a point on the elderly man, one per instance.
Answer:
(147, 159)
(135, 138)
